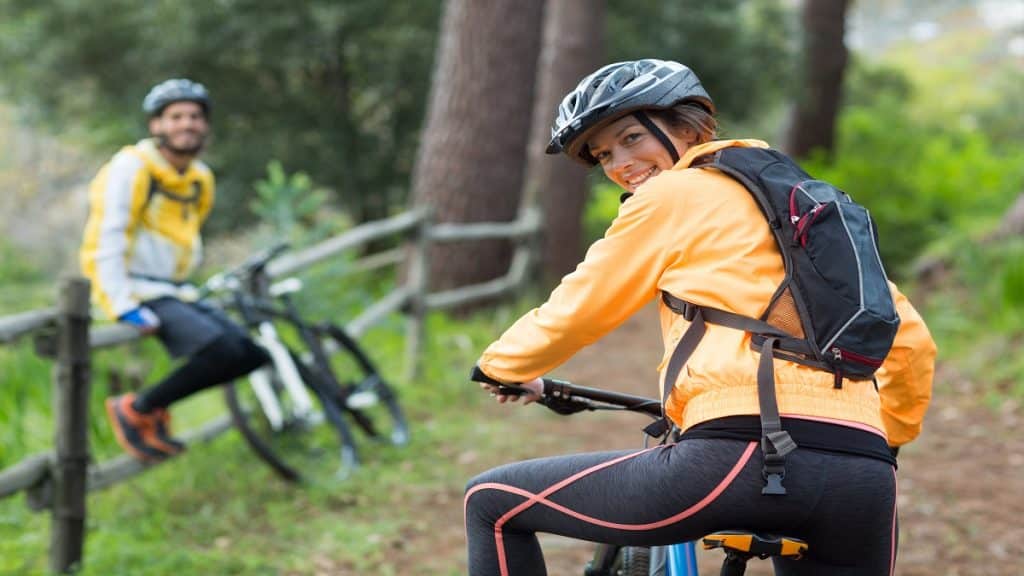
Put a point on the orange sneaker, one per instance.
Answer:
(163, 431)
(136, 431)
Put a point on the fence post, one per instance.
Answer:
(418, 278)
(71, 408)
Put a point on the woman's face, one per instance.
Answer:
(630, 154)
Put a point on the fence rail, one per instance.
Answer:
(60, 479)
(18, 325)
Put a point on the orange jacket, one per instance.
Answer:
(700, 236)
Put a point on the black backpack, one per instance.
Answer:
(832, 311)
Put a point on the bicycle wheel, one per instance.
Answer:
(633, 561)
(295, 439)
(361, 390)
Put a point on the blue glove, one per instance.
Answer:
(142, 318)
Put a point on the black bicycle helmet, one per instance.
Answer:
(616, 90)
(175, 90)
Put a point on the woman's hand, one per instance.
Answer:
(535, 389)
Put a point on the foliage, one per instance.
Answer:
(16, 267)
(293, 208)
(921, 177)
(1004, 120)
(23, 283)
(333, 89)
(976, 314)
(285, 202)
(218, 510)
(602, 207)
(743, 52)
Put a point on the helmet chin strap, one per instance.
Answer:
(642, 117)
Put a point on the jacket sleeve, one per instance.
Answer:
(116, 198)
(905, 378)
(618, 276)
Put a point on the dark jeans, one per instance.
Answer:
(218, 351)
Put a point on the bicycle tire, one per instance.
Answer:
(296, 450)
(633, 561)
(364, 394)
(605, 560)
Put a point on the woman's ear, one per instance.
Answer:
(690, 136)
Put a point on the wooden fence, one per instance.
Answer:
(58, 481)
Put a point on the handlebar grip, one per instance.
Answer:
(477, 375)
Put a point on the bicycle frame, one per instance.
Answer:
(282, 363)
(682, 560)
(300, 386)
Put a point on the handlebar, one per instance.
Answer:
(568, 398)
(252, 266)
(258, 261)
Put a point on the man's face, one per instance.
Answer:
(181, 128)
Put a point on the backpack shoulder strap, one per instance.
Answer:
(775, 442)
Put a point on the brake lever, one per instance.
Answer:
(566, 405)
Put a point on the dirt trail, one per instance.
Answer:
(961, 487)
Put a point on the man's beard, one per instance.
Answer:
(164, 142)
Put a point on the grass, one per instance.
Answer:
(976, 316)
(217, 509)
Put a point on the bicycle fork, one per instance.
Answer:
(285, 366)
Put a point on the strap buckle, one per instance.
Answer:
(773, 483)
(774, 447)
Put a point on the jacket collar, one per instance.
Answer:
(699, 150)
(160, 168)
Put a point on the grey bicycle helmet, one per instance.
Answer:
(175, 90)
(616, 90)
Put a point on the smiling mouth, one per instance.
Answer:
(641, 178)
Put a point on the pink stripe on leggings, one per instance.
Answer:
(541, 498)
(896, 494)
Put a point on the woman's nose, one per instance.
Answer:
(620, 162)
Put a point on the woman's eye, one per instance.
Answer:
(631, 137)
(601, 157)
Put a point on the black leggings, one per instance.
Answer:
(844, 506)
(229, 356)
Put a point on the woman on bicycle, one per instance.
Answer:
(698, 235)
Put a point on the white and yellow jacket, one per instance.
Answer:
(142, 238)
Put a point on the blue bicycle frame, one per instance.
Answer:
(682, 560)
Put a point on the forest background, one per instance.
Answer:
(327, 114)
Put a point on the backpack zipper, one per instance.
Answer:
(838, 354)
(803, 224)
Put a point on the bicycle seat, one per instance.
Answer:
(747, 545)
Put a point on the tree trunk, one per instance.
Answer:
(573, 46)
(471, 159)
(812, 124)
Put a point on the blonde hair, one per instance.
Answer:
(688, 115)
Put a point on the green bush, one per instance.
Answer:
(920, 181)
(17, 266)
(291, 207)
(602, 207)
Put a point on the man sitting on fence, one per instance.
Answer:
(141, 242)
